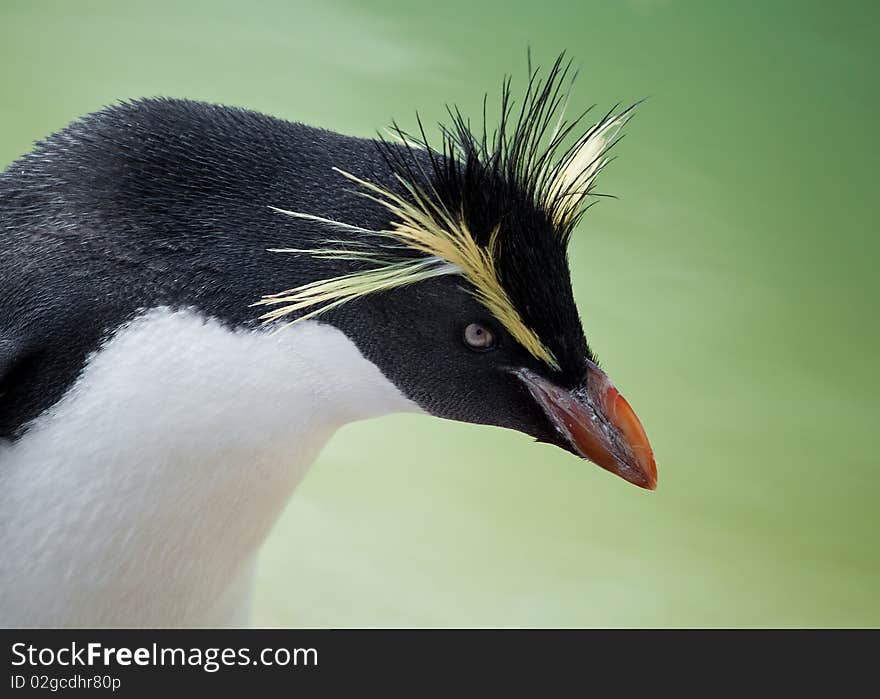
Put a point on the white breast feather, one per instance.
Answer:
(143, 496)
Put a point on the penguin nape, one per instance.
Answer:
(194, 297)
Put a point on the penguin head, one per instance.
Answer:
(462, 294)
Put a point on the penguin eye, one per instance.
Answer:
(479, 337)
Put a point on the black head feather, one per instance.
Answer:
(509, 180)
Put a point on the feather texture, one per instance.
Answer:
(422, 225)
(499, 211)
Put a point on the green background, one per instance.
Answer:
(731, 293)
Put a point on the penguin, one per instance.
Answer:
(195, 297)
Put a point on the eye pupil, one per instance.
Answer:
(479, 337)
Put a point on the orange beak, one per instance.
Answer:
(598, 424)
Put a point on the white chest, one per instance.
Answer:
(143, 496)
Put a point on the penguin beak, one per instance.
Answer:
(598, 424)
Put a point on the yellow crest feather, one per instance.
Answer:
(543, 182)
(572, 179)
(421, 225)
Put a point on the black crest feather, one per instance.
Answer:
(501, 205)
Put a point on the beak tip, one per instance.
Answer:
(650, 471)
(644, 477)
(631, 428)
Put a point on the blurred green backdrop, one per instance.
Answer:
(731, 293)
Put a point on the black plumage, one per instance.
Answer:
(165, 202)
(169, 203)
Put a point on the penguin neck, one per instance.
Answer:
(147, 491)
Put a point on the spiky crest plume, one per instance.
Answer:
(457, 205)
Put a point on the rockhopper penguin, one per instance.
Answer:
(193, 298)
